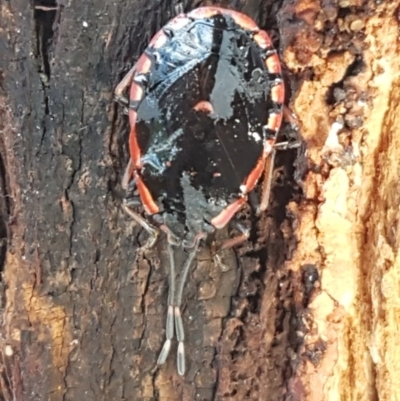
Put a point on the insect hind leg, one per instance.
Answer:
(131, 202)
(128, 205)
(243, 236)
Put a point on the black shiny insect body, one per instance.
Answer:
(205, 106)
(194, 161)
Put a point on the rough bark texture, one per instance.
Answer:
(307, 310)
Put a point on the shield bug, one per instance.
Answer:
(205, 105)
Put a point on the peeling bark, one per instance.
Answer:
(347, 223)
(306, 310)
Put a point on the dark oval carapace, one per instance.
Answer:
(217, 62)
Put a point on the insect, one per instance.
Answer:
(205, 106)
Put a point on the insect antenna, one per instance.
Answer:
(169, 331)
(180, 333)
(174, 316)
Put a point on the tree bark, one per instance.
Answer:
(308, 309)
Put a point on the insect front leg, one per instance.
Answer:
(119, 92)
(132, 202)
(290, 130)
(136, 80)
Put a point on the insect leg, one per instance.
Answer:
(266, 186)
(153, 232)
(128, 174)
(121, 87)
(290, 117)
(230, 243)
(135, 79)
(238, 239)
(269, 163)
(268, 170)
(286, 145)
(291, 131)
